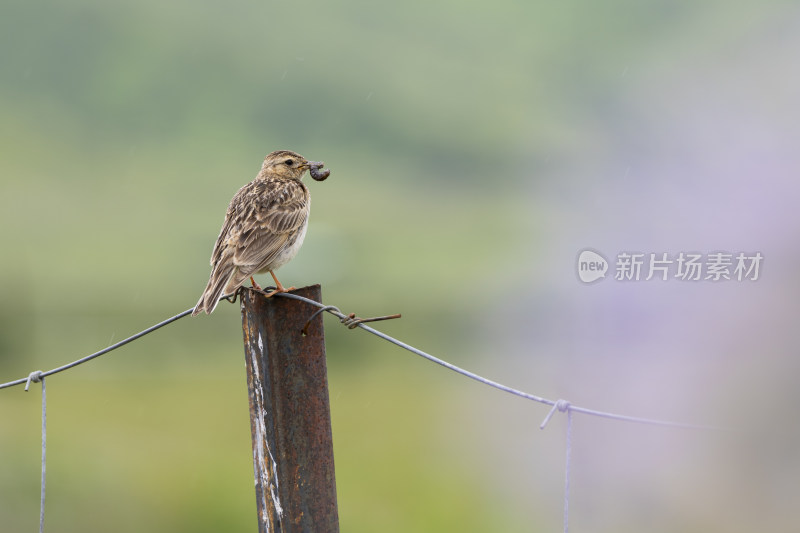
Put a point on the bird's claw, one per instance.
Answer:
(267, 294)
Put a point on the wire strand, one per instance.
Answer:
(44, 455)
(567, 469)
(560, 405)
(342, 317)
(348, 320)
(103, 351)
(592, 412)
(36, 377)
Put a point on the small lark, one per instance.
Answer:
(264, 227)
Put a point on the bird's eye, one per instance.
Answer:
(289, 162)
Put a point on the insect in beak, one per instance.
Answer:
(315, 169)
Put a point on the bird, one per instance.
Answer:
(264, 227)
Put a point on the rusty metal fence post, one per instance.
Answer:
(289, 414)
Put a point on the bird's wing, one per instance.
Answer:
(275, 210)
(261, 219)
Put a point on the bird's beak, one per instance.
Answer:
(315, 169)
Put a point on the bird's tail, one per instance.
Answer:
(214, 290)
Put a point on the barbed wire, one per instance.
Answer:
(351, 322)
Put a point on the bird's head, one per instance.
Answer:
(290, 165)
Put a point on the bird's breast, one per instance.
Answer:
(290, 249)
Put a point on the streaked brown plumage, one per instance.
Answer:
(264, 227)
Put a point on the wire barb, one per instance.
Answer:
(351, 320)
(316, 313)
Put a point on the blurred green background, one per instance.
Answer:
(475, 148)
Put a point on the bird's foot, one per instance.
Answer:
(232, 297)
(256, 286)
(280, 289)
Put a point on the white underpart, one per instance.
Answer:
(288, 253)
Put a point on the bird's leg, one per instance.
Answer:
(279, 287)
(256, 286)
